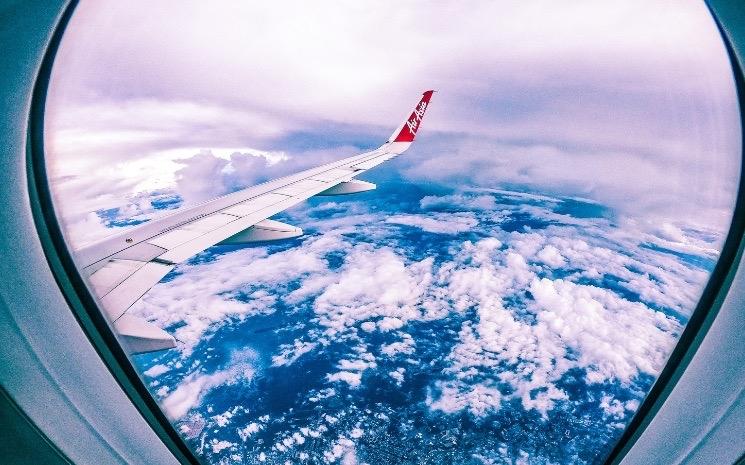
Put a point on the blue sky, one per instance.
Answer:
(630, 104)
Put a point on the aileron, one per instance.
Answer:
(119, 299)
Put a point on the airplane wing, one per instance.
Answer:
(122, 268)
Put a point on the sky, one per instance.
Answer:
(631, 104)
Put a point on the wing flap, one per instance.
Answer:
(372, 162)
(141, 252)
(263, 231)
(353, 186)
(140, 336)
(129, 291)
(189, 231)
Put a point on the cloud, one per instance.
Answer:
(217, 446)
(583, 316)
(517, 49)
(614, 339)
(659, 185)
(405, 346)
(353, 379)
(550, 256)
(156, 370)
(196, 180)
(249, 430)
(290, 353)
(374, 283)
(442, 224)
(477, 399)
(458, 201)
(205, 175)
(193, 387)
(194, 175)
(214, 300)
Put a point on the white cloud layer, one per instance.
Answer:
(529, 305)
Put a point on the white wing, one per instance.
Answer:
(122, 268)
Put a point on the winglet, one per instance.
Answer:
(408, 129)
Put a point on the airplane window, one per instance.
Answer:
(492, 273)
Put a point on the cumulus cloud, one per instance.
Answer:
(216, 299)
(496, 322)
(156, 370)
(551, 256)
(614, 339)
(374, 283)
(442, 224)
(289, 353)
(352, 378)
(249, 430)
(406, 346)
(210, 173)
(192, 389)
(196, 180)
(533, 307)
(477, 399)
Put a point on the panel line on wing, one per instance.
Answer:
(119, 299)
(333, 175)
(301, 186)
(256, 203)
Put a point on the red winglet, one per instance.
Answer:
(408, 131)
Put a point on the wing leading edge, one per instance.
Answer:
(122, 268)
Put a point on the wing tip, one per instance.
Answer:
(411, 125)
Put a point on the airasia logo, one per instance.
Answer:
(416, 117)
